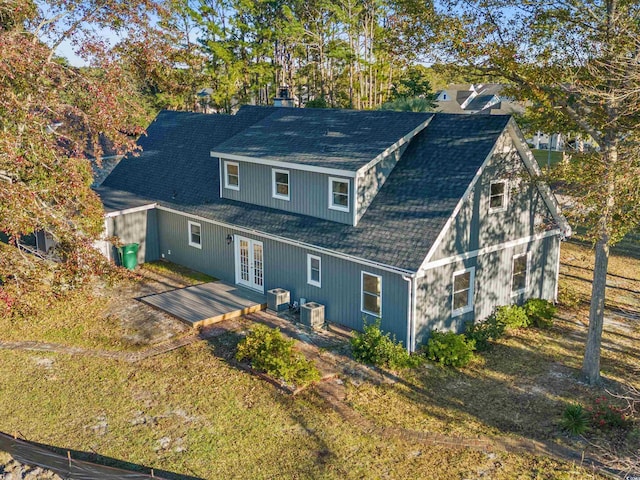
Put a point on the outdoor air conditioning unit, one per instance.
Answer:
(278, 299)
(312, 315)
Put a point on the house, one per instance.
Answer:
(422, 220)
(483, 99)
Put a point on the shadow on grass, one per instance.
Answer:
(224, 348)
(518, 389)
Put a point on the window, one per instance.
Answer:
(281, 184)
(338, 194)
(462, 298)
(195, 239)
(313, 270)
(231, 176)
(498, 196)
(520, 273)
(371, 294)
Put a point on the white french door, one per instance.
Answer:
(249, 263)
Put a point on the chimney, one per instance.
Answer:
(284, 97)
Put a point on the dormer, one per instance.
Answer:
(328, 164)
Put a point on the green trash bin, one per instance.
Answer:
(129, 255)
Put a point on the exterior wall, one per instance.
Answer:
(476, 227)
(492, 285)
(137, 227)
(285, 266)
(308, 191)
(371, 181)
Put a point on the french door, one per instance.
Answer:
(249, 263)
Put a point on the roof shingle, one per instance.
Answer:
(398, 228)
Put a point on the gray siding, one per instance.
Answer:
(138, 227)
(371, 181)
(285, 266)
(309, 191)
(492, 285)
(476, 226)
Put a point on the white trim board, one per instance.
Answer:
(532, 165)
(486, 250)
(126, 211)
(452, 217)
(287, 165)
(388, 151)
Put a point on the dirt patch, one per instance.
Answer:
(143, 324)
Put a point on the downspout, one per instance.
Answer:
(411, 312)
(555, 293)
(414, 295)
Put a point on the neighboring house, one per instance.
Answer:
(487, 99)
(423, 220)
(483, 99)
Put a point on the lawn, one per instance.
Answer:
(191, 412)
(545, 156)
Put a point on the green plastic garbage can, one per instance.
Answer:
(129, 255)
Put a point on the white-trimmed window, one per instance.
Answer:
(280, 184)
(314, 270)
(371, 286)
(339, 194)
(195, 235)
(231, 175)
(462, 295)
(520, 273)
(498, 195)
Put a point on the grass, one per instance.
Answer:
(542, 156)
(191, 277)
(81, 320)
(521, 387)
(192, 412)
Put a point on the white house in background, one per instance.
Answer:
(487, 99)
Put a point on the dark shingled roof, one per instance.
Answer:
(329, 138)
(398, 228)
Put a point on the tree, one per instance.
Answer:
(580, 62)
(52, 116)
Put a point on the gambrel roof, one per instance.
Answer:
(399, 227)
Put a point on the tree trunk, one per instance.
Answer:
(591, 363)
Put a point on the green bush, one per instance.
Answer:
(377, 348)
(511, 316)
(482, 332)
(540, 312)
(574, 419)
(450, 349)
(268, 351)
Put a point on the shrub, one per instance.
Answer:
(511, 316)
(380, 349)
(568, 296)
(450, 349)
(268, 351)
(482, 332)
(605, 416)
(540, 312)
(574, 419)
